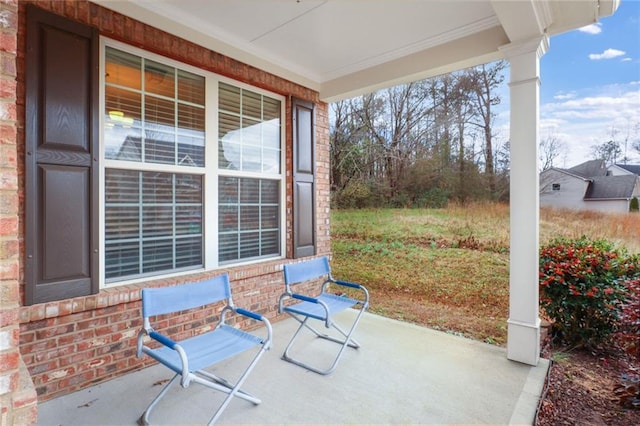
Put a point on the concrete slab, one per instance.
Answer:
(402, 374)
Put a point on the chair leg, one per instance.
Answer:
(347, 341)
(227, 386)
(235, 390)
(144, 418)
(211, 381)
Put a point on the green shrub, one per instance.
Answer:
(634, 206)
(628, 334)
(582, 288)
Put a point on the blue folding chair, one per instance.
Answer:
(322, 306)
(188, 358)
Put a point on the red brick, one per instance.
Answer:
(8, 42)
(24, 399)
(10, 360)
(54, 331)
(9, 291)
(7, 135)
(8, 317)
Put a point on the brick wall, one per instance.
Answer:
(17, 392)
(75, 343)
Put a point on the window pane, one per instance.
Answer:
(159, 114)
(191, 87)
(271, 134)
(122, 259)
(190, 136)
(271, 161)
(251, 158)
(159, 78)
(251, 104)
(228, 189)
(251, 132)
(157, 187)
(157, 255)
(229, 98)
(123, 69)
(154, 221)
(189, 220)
(188, 252)
(249, 191)
(271, 109)
(269, 217)
(245, 130)
(122, 222)
(249, 218)
(248, 222)
(249, 245)
(122, 124)
(122, 186)
(228, 247)
(228, 218)
(270, 243)
(157, 221)
(270, 191)
(188, 188)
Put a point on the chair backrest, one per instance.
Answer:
(296, 273)
(164, 300)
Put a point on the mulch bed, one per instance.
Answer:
(580, 390)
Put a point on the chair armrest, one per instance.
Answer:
(317, 302)
(347, 284)
(258, 317)
(162, 339)
(305, 298)
(356, 286)
(184, 381)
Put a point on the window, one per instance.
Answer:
(172, 202)
(249, 184)
(555, 187)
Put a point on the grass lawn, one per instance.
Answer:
(448, 268)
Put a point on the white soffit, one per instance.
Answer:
(342, 48)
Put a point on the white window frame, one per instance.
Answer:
(210, 171)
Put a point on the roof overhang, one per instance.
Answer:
(343, 48)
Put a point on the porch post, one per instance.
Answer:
(523, 338)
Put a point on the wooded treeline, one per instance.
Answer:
(421, 144)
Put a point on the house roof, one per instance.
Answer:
(611, 187)
(344, 48)
(589, 169)
(635, 169)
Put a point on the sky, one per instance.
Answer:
(590, 86)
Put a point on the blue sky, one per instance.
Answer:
(590, 91)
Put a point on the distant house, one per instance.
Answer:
(590, 186)
(624, 169)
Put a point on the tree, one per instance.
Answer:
(485, 81)
(608, 151)
(551, 147)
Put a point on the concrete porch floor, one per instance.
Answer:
(403, 373)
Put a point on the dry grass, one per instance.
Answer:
(621, 228)
(449, 268)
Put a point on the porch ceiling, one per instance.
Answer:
(343, 48)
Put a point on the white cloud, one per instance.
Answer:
(607, 54)
(589, 118)
(627, 59)
(592, 29)
(561, 96)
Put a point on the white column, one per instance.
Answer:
(523, 339)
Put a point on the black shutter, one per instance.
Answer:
(61, 158)
(304, 223)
